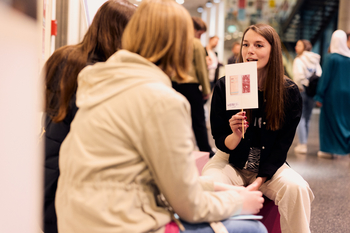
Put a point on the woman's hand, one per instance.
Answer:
(256, 184)
(252, 201)
(236, 123)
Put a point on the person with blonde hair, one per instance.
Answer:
(258, 160)
(305, 65)
(126, 164)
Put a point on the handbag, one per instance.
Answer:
(311, 89)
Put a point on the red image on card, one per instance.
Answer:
(246, 83)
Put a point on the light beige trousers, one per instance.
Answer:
(290, 192)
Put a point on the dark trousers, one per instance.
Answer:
(195, 98)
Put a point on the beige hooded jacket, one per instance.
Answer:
(131, 140)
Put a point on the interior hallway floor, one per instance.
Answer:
(329, 179)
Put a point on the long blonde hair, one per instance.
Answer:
(162, 32)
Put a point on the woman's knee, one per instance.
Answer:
(298, 189)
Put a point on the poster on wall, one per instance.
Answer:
(91, 7)
(241, 86)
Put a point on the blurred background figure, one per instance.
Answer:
(305, 64)
(333, 95)
(212, 60)
(200, 27)
(196, 87)
(348, 42)
(236, 46)
(102, 39)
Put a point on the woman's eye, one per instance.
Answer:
(259, 45)
(245, 45)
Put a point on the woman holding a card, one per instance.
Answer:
(253, 145)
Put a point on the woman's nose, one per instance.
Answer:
(250, 49)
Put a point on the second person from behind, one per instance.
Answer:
(305, 64)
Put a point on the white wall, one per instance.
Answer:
(20, 157)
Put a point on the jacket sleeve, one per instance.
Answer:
(219, 123)
(298, 73)
(324, 80)
(200, 67)
(167, 147)
(285, 136)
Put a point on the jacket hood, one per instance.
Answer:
(122, 71)
(310, 59)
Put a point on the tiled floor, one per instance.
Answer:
(329, 180)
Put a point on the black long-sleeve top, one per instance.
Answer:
(274, 144)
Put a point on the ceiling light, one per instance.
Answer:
(180, 1)
(209, 4)
(216, 1)
(200, 9)
(138, 0)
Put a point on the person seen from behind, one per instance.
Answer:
(126, 164)
(333, 95)
(304, 66)
(196, 88)
(258, 161)
(102, 39)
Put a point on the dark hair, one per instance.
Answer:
(102, 39)
(307, 45)
(199, 24)
(274, 82)
(348, 35)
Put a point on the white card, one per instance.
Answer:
(241, 86)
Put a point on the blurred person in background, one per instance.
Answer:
(196, 87)
(126, 164)
(304, 65)
(348, 41)
(236, 47)
(333, 96)
(212, 60)
(102, 39)
(258, 160)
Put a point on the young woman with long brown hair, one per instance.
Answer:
(102, 39)
(258, 160)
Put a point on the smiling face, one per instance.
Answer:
(255, 48)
